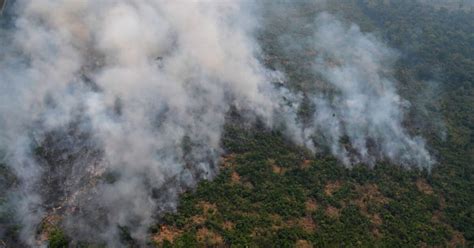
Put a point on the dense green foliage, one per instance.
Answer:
(57, 239)
(262, 197)
(437, 45)
(272, 194)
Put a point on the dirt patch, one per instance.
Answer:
(332, 187)
(424, 187)
(303, 244)
(166, 233)
(209, 238)
(332, 212)
(311, 206)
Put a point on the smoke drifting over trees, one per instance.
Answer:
(110, 109)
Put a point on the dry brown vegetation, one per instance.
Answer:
(207, 208)
(198, 219)
(375, 219)
(306, 164)
(368, 193)
(424, 187)
(235, 177)
(303, 244)
(48, 225)
(307, 224)
(228, 161)
(275, 168)
(166, 233)
(332, 212)
(228, 225)
(376, 233)
(277, 221)
(209, 238)
(457, 240)
(311, 205)
(332, 187)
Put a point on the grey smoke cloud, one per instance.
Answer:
(362, 103)
(110, 109)
(141, 76)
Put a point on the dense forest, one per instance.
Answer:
(270, 192)
(273, 194)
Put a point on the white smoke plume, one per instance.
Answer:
(110, 109)
(140, 78)
(361, 103)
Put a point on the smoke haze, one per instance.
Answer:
(110, 109)
(365, 106)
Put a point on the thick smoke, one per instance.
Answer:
(359, 106)
(110, 109)
(136, 91)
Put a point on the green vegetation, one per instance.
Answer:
(57, 239)
(436, 45)
(271, 193)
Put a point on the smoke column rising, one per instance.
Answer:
(365, 106)
(110, 109)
